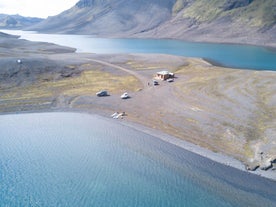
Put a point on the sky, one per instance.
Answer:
(35, 8)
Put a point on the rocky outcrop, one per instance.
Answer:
(266, 164)
(252, 166)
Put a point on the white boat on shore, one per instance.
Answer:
(117, 115)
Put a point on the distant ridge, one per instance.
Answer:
(238, 21)
(17, 21)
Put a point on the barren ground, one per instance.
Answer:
(225, 110)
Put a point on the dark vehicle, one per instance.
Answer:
(102, 93)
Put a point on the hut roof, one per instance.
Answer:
(164, 72)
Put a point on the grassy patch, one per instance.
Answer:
(259, 14)
(204, 11)
(248, 151)
(87, 83)
(179, 4)
(145, 66)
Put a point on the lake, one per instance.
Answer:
(71, 159)
(228, 55)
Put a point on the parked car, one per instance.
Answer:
(125, 96)
(170, 80)
(102, 93)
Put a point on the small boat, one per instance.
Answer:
(114, 115)
(125, 96)
(117, 115)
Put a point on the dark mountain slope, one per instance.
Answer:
(109, 17)
(240, 21)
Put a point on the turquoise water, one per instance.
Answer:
(229, 55)
(68, 159)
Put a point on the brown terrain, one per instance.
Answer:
(230, 111)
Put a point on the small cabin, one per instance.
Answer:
(164, 75)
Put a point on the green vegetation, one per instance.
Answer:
(179, 4)
(204, 11)
(257, 14)
(87, 83)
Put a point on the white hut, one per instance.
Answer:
(164, 75)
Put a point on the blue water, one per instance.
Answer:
(68, 159)
(229, 55)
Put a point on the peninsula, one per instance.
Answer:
(225, 110)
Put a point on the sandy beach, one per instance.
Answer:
(208, 110)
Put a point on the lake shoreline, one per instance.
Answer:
(214, 156)
(68, 82)
(218, 61)
(66, 148)
(268, 46)
(150, 97)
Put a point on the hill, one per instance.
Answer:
(238, 21)
(17, 21)
(109, 17)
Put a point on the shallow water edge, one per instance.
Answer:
(220, 158)
(106, 153)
